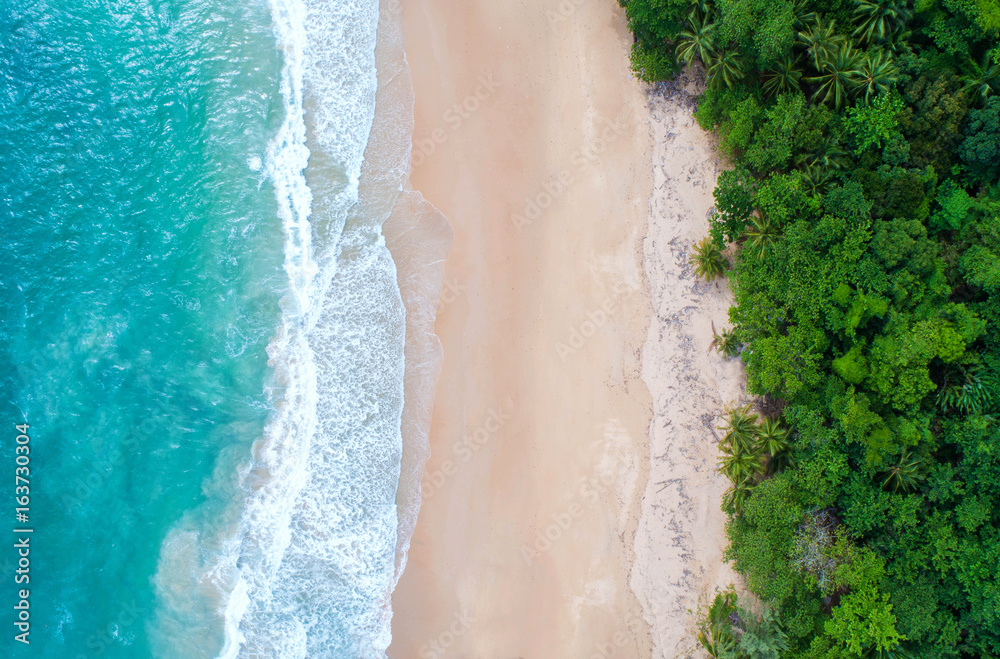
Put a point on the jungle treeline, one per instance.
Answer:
(859, 229)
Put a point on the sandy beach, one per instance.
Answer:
(681, 534)
(570, 504)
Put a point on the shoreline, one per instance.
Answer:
(533, 537)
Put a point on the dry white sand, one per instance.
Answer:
(681, 533)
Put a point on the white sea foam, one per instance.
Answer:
(281, 569)
(298, 549)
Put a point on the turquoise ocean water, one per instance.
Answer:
(202, 326)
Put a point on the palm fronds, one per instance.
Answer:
(762, 233)
(784, 77)
(820, 40)
(708, 260)
(697, 41)
(880, 19)
(726, 69)
(839, 73)
(904, 475)
(726, 343)
(877, 74)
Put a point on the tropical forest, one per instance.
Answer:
(858, 226)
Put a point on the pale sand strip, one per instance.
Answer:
(681, 535)
(557, 440)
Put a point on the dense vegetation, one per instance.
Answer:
(864, 215)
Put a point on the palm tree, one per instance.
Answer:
(708, 260)
(697, 41)
(761, 234)
(828, 156)
(904, 475)
(716, 628)
(804, 15)
(899, 43)
(784, 76)
(717, 647)
(839, 72)
(775, 440)
(728, 69)
(878, 73)
(831, 155)
(879, 19)
(701, 8)
(736, 496)
(965, 389)
(816, 178)
(725, 343)
(982, 76)
(741, 465)
(741, 431)
(820, 40)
